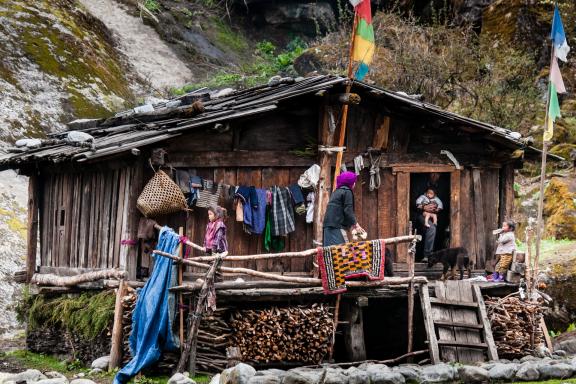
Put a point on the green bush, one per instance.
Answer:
(152, 5)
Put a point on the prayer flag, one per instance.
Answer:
(556, 77)
(364, 45)
(553, 113)
(558, 37)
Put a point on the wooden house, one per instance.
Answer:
(82, 201)
(83, 198)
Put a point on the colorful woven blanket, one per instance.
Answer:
(344, 261)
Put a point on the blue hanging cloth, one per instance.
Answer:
(153, 315)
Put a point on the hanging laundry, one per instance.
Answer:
(298, 199)
(338, 263)
(358, 164)
(282, 212)
(255, 212)
(209, 195)
(271, 243)
(239, 210)
(309, 179)
(310, 207)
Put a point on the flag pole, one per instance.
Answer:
(539, 223)
(344, 119)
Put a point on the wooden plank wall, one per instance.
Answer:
(85, 215)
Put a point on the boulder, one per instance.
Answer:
(271, 372)
(239, 374)
(295, 377)
(556, 371)
(57, 380)
(54, 375)
(503, 371)
(528, 371)
(471, 374)
(215, 379)
(28, 376)
(566, 342)
(180, 378)
(357, 376)
(387, 377)
(439, 373)
(411, 373)
(101, 363)
(82, 381)
(265, 379)
(529, 358)
(335, 376)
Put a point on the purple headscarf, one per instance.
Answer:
(346, 179)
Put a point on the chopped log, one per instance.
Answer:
(283, 334)
(64, 281)
(116, 345)
(515, 325)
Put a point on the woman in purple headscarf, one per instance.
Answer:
(340, 211)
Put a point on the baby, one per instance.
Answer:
(429, 198)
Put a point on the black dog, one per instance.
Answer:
(450, 258)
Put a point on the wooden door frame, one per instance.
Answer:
(403, 174)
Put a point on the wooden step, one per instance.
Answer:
(445, 323)
(454, 343)
(453, 303)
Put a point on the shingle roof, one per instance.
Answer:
(127, 131)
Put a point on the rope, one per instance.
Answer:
(374, 172)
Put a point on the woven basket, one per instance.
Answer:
(161, 196)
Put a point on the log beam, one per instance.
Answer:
(67, 281)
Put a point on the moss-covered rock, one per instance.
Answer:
(560, 208)
(58, 63)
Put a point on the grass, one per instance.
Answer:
(553, 249)
(88, 315)
(45, 363)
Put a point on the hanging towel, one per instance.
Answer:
(253, 198)
(344, 261)
(310, 208)
(243, 193)
(153, 315)
(282, 212)
(239, 210)
(309, 179)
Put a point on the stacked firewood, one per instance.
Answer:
(515, 326)
(128, 304)
(213, 337)
(291, 334)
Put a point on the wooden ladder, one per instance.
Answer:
(457, 324)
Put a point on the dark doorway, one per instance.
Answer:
(419, 182)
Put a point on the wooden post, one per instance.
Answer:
(336, 316)
(455, 226)
(411, 255)
(180, 299)
(539, 223)
(116, 345)
(344, 119)
(354, 335)
(529, 233)
(481, 256)
(326, 137)
(33, 200)
(402, 212)
(194, 318)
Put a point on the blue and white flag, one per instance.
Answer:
(558, 37)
